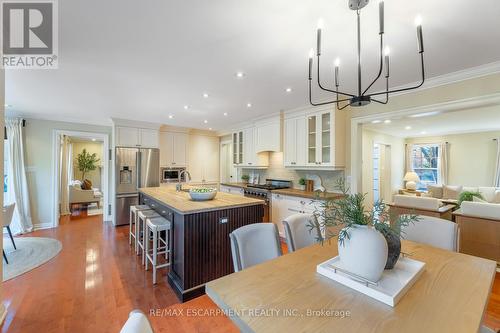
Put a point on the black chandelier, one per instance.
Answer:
(362, 97)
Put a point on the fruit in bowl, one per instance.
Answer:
(202, 193)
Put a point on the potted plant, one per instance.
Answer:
(367, 242)
(302, 183)
(86, 162)
(245, 178)
(469, 196)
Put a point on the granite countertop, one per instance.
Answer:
(182, 203)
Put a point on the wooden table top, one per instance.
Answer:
(182, 203)
(450, 296)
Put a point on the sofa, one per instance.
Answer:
(79, 196)
(450, 193)
(404, 204)
(479, 224)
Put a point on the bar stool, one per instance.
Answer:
(133, 221)
(140, 229)
(156, 225)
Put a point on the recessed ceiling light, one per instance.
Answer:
(423, 132)
(240, 75)
(186, 107)
(93, 139)
(210, 128)
(288, 90)
(376, 121)
(205, 95)
(249, 105)
(408, 128)
(387, 121)
(170, 116)
(205, 121)
(225, 114)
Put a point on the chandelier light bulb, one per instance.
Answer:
(337, 62)
(311, 53)
(418, 20)
(321, 24)
(387, 51)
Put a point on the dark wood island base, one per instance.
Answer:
(201, 246)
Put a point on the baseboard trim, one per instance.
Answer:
(3, 313)
(41, 226)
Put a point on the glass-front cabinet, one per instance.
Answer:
(319, 139)
(238, 147)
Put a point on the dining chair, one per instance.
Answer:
(8, 213)
(301, 230)
(253, 244)
(137, 322)
(433, 231)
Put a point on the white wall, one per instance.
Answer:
(471, 157)
(39, 164)
(369, 138)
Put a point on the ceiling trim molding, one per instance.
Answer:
(461, 104)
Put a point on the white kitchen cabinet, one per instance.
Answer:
(244, 152)
(203, 158)
(320, 139)
(232, 190)
(295, 142)
(173, 149)
(136, 137)
(283, 206)
(268, 136)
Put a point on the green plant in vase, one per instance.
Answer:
(368, 242)
(302, 183)
(86, 162)
(469, 196)
(245, 178)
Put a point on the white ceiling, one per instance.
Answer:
(146, 60)
(440, 123)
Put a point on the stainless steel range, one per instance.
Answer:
(263, 191)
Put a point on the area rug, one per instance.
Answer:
(31, 252)
(93, 210)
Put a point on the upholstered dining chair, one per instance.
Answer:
(301, 230)
(433, 231)
(254, 244)
(137, 322)
(8, 213)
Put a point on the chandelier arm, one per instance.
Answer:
(322, 103)
(381, 64)
(329, 90)
(342, 108)
(409, 88)
(386, 94)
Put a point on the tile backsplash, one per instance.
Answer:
(276, 170)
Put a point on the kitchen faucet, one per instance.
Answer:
(178, 187)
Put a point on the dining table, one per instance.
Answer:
(286, 294)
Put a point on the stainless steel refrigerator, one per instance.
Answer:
(135, 168)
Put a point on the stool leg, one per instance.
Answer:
(146, 247)
(145, 238)
(170, 246)
(155, 250)
(137, 234)
(130, 227)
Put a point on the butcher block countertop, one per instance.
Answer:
(181, 201)
(310, 195)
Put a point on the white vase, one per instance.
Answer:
(364, 253)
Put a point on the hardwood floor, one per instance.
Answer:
(96, 280)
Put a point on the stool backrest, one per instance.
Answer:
(433, 231)
(301, 230)
(8, 212)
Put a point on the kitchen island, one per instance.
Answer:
(201, 247)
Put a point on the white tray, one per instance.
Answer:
(393, 284)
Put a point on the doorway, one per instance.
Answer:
(382, 181)
(81, 173)
(227, 170)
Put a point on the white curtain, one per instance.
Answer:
(17, 172)
(64, 175)
(497, 167)
(443, 163)
(408, 152)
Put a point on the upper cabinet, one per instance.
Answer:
(268, 135)
(245, 154)
(173, 149)
(203, 158)
(315, 139)
(136, 137)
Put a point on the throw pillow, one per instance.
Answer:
(451, 192)
(435, 191)
(86, 185)
(488, 193)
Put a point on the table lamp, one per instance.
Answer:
(411, 179)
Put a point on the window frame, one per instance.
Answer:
(437, 169)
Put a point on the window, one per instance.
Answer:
(425, 162)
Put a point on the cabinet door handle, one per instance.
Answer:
(173, 163)
(153, 205)
(294, 210)
(302, 202)
(163, 212)
(249, 163)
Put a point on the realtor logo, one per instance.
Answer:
(29, 34)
